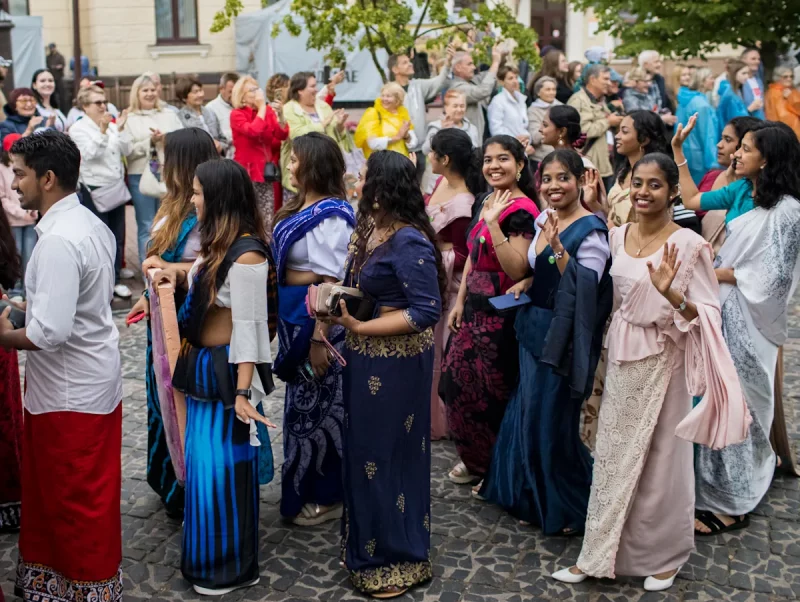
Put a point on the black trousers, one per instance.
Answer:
(114, 219)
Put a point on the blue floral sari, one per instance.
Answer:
(314, 410)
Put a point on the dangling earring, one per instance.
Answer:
(561, 140)
(519, 175)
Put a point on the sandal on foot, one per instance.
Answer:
(716, 526)
(312, 514)
(460, 475)
(476, 492)
(392, 591)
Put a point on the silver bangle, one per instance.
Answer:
(685, 161)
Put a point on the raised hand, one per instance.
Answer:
(495, 205)
(663, 276)
(683, 132)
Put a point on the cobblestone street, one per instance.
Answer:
(479, 553)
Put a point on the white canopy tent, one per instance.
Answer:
(258, 53)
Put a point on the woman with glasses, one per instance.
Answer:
(102, 173)
(21, 115)
(783, 99)
(638, 97)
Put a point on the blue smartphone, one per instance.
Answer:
(508, 302)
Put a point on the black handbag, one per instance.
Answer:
(272, 173)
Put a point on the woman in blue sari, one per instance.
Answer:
(387, 383)
(541, 472)
(224, 371)
(175, 240)
(310, 239)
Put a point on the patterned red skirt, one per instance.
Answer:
(71, 536)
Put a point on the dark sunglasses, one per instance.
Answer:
(99, 103)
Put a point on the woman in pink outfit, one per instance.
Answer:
(449, 208)
(664, 344)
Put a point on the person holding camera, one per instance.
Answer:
(255, 125)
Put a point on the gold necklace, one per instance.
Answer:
(639, 240)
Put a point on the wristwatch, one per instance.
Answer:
(246, 393)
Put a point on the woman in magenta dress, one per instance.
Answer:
(449, 208)
(482, 366)
(10, 398)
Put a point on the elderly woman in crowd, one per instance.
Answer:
(638, 96)
(142, 131)
(256, 126)
(387, 125)
(545, 92)
(102, 177)
(193, 114)
(22, 117)
(783, 99)
(455, 109)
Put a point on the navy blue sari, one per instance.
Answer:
(387, 456)
(313, 411)
(541, 472)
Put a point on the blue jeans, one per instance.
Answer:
(145, 208)
(25, 237)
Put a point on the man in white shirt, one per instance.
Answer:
(70, 538)
(221, 107)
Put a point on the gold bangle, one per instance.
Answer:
(502, 242)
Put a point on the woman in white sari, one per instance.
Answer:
(758, 271)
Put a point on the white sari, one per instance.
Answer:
(762, 246)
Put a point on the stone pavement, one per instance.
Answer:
(479, 553)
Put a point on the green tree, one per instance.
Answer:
(692, 28)
(334, 26)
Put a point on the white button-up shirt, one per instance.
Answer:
(69, 284)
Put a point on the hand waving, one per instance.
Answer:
(683, 133)
(495, 205)
(664, 274)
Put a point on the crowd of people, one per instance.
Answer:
(574, 284)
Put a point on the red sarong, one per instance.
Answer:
(10, 441)
(71, 536)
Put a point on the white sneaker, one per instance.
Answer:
(126, 273)
(122, 291)
(207, 591)
(567, 576)
(651, 584)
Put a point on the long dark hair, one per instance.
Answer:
(391, 183)
(514, 146)
(10, 262)
(650, 127)
(550, 69)
(780, 177)
(184, 150)
(36, 95)
(229, 211)
(464, 160)
(742, 125)
(320, 170)
(668, 167)
(568, 118)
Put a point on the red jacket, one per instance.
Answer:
(253, 139)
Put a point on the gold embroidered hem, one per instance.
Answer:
(404, 345)
(404, 574)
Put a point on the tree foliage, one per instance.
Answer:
(692, 28)
(336, 27)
